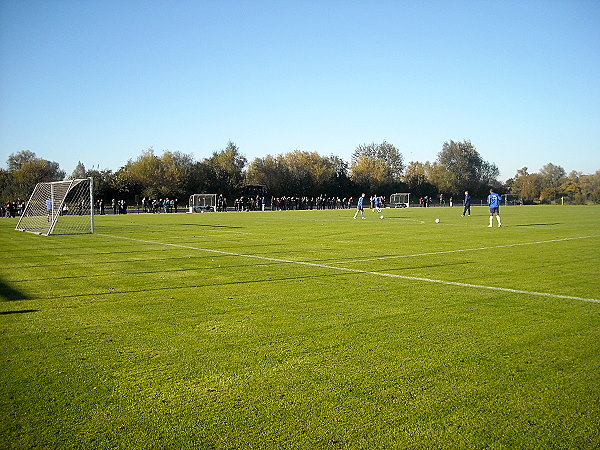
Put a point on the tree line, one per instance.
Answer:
(375, 168)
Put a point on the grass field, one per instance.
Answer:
(304, 329)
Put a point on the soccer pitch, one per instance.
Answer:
(304, 329)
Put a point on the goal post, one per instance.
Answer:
(202, 203)
(512, 199)
(60, 207)
(400, 200)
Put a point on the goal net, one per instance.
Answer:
(203, 203)
(400, 200)
(512, 199)
(60, 207)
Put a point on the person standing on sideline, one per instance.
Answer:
(494, 203)
(359, 207)
(467, 203)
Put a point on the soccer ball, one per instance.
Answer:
(437, 220)
(381, 217)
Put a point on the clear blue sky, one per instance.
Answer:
(101, 81)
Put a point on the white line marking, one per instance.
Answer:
(367, 272)
(461, 250)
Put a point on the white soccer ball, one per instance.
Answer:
(381, 217)
(437, 220)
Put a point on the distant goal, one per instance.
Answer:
(60, 207)
(400, 200)
(202, 203)
(512, 199)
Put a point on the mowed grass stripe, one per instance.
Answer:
(218, 351)
(475, 249)
(367, 272)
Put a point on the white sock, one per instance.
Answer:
(491, 220)
(498, 218)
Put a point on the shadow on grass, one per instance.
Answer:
(169, 226)
(5, 313)
(201, 286)
(209, 226)
(156, 271)
(68, 263)
(11, 294)
(537, 224)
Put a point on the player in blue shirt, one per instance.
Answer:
(377, 203)
(494, 203)
(359, 206)
(49, 208)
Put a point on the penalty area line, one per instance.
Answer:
(366, 272)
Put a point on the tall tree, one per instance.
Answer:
(16, 160)
(590, 187)
(385, 152)
(298, 173)
(571, 187)
(552, 176)
(466, 168)
(79, 171)
(25, 170)
(162, 176)
(32, 172)
(178, 168)
(225, 171)
(309, 172)
(527, 185)
(104, 185)
(371, 174)
(441, 178)
(418, 179)
(340, 183)
(145, 175)
(270, 171)
(5, 185)
(414, 176)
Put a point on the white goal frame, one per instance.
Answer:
(512, 199)
(60, 207)
(400, 200)
(202, 203)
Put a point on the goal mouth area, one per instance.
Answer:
(40, 233)
(59, 208)
(202, 203)
(400, 200)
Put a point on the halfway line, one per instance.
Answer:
(346, 269)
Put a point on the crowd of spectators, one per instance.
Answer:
(118, 206)
(425, 202)
(289, 203)
(12, 209)
(321, 202)
(244, 203)
(149, 205)
(156, 206)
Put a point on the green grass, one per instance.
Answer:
(108, 342)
